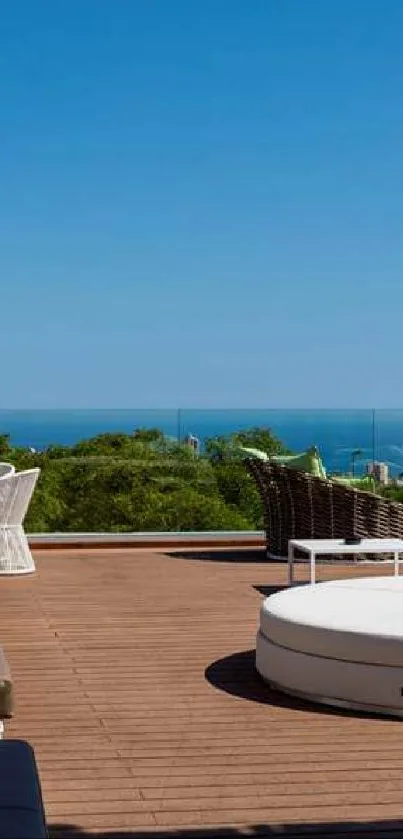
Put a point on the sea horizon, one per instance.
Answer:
(377, 433)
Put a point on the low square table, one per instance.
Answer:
(321, 547)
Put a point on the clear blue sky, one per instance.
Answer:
(201, 203)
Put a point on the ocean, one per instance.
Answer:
(337, 433)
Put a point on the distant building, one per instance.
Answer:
(193, 443)
(380, 471)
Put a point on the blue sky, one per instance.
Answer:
(201, 203)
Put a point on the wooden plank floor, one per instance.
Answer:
(109, 652)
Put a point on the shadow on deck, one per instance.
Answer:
(242, 555)
(341, 830)
(236, 674)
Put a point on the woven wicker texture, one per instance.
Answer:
(300, 506)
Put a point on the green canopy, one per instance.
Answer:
(366, 482)
(309, 461)
(254, 453)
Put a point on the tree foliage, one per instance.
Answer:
(142, 482)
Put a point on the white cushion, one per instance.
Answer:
(357, 620)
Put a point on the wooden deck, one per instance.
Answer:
(135, 685)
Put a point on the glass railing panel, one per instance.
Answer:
(139, 470)
(345, 438)
(389, 445)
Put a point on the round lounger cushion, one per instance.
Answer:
(339, 641)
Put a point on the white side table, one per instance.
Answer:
(321, 547)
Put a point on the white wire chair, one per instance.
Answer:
(16, 489)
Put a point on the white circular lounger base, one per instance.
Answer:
(338, 643)
(321, 691)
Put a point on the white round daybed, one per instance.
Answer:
(339, 643)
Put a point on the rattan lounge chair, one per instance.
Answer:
(300, 506)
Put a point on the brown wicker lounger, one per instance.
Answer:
(299, 506)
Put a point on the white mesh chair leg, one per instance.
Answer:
(15, 555)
